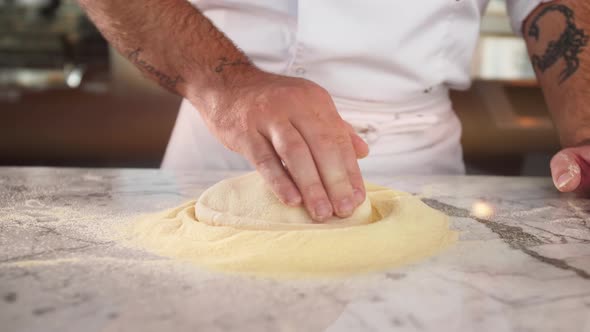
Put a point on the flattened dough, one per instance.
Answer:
(239, 226)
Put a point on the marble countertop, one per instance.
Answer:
(522, 262)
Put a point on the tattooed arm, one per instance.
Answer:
(558, 37)
(288, 128)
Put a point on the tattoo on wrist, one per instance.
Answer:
(570, 44)
(225, 62)
(165, 80)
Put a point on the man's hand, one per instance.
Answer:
(289, 129)
(570, 169)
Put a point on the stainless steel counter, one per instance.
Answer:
(522, 263)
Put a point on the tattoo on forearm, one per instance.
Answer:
(165, 80)
(225, 62)
(570, 44)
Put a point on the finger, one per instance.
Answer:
(354, 174)
(360, 146)
(565, 171)
(262, 155)
(326, 142)
(295, 153)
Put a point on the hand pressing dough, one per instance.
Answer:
(245, 202)
(239, 226)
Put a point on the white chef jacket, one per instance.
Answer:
(388, 65)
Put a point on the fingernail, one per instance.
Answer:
(345, 207)
(564, 179)
(359, 197)
(323, 210)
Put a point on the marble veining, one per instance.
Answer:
(522, 262)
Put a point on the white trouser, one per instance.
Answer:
(418, 137)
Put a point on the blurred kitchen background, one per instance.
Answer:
(67, 99)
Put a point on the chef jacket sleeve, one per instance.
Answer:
(519, 10)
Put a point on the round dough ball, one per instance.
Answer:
(246, 202)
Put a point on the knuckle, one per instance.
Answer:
(323, 93)
(304, 90)
(287, 140)
(325, 99)
(290, 146)
(314, 88)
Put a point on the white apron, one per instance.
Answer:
(388, 65)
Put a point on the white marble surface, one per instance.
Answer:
(525, 268)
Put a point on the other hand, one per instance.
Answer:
(570, 169)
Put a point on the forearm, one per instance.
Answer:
(558, 39)
(172, 43)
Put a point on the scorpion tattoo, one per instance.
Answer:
(569, 45)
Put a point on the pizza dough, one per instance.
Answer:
(245, 202)
(239, 226)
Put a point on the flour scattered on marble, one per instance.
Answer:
(531, 211)
(62, 233)
(92, 177)
(34, 204)
(53, 228)
(75, 244)
(42, 262)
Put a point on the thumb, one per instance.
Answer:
(360, 146)
(565, 171)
